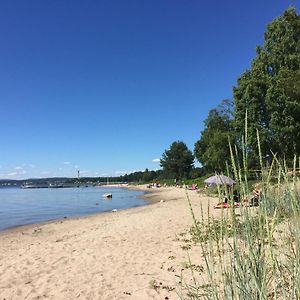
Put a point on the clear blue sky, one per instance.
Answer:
(106, 86)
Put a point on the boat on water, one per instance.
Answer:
(55, 185)
(42, 186)
(107, 195)
(34, 186)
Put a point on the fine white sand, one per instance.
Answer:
(138, 253)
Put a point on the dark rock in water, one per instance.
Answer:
(107, 195)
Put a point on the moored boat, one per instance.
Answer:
(34, 186)
(55, 185)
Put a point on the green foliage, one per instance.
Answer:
(178, 161)
(212, 147)
(199, 181)
(252, 253)
(197, 172)
(142, 177)
(269, 91)
(149, 176)
(268, 95)
(219, 229)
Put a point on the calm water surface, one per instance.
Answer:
(26, 206)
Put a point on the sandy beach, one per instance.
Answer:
(136, 253)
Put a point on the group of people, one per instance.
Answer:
(153, 185)
(253, 199)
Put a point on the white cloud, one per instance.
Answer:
(18, 171)
(12, 174)
(66, 163)
(156, 160)
(32, 166)
(76, 167)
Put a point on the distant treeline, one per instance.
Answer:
(136, 177)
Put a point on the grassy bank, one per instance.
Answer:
(251, 252)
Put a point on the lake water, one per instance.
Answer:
(27, 206)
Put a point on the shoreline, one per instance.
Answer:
(21, 227)
(135, 253)
(149, 195)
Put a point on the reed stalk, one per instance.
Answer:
(252, 253)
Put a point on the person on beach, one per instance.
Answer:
(230, 198)
(255, 195)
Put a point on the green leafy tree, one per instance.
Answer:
(212, 149)
(149, 175)
(269, 91)
(178, 161)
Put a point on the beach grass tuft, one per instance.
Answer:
(251, 252)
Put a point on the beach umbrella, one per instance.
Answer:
(219, 179)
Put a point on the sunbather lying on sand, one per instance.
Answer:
(226, 205)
